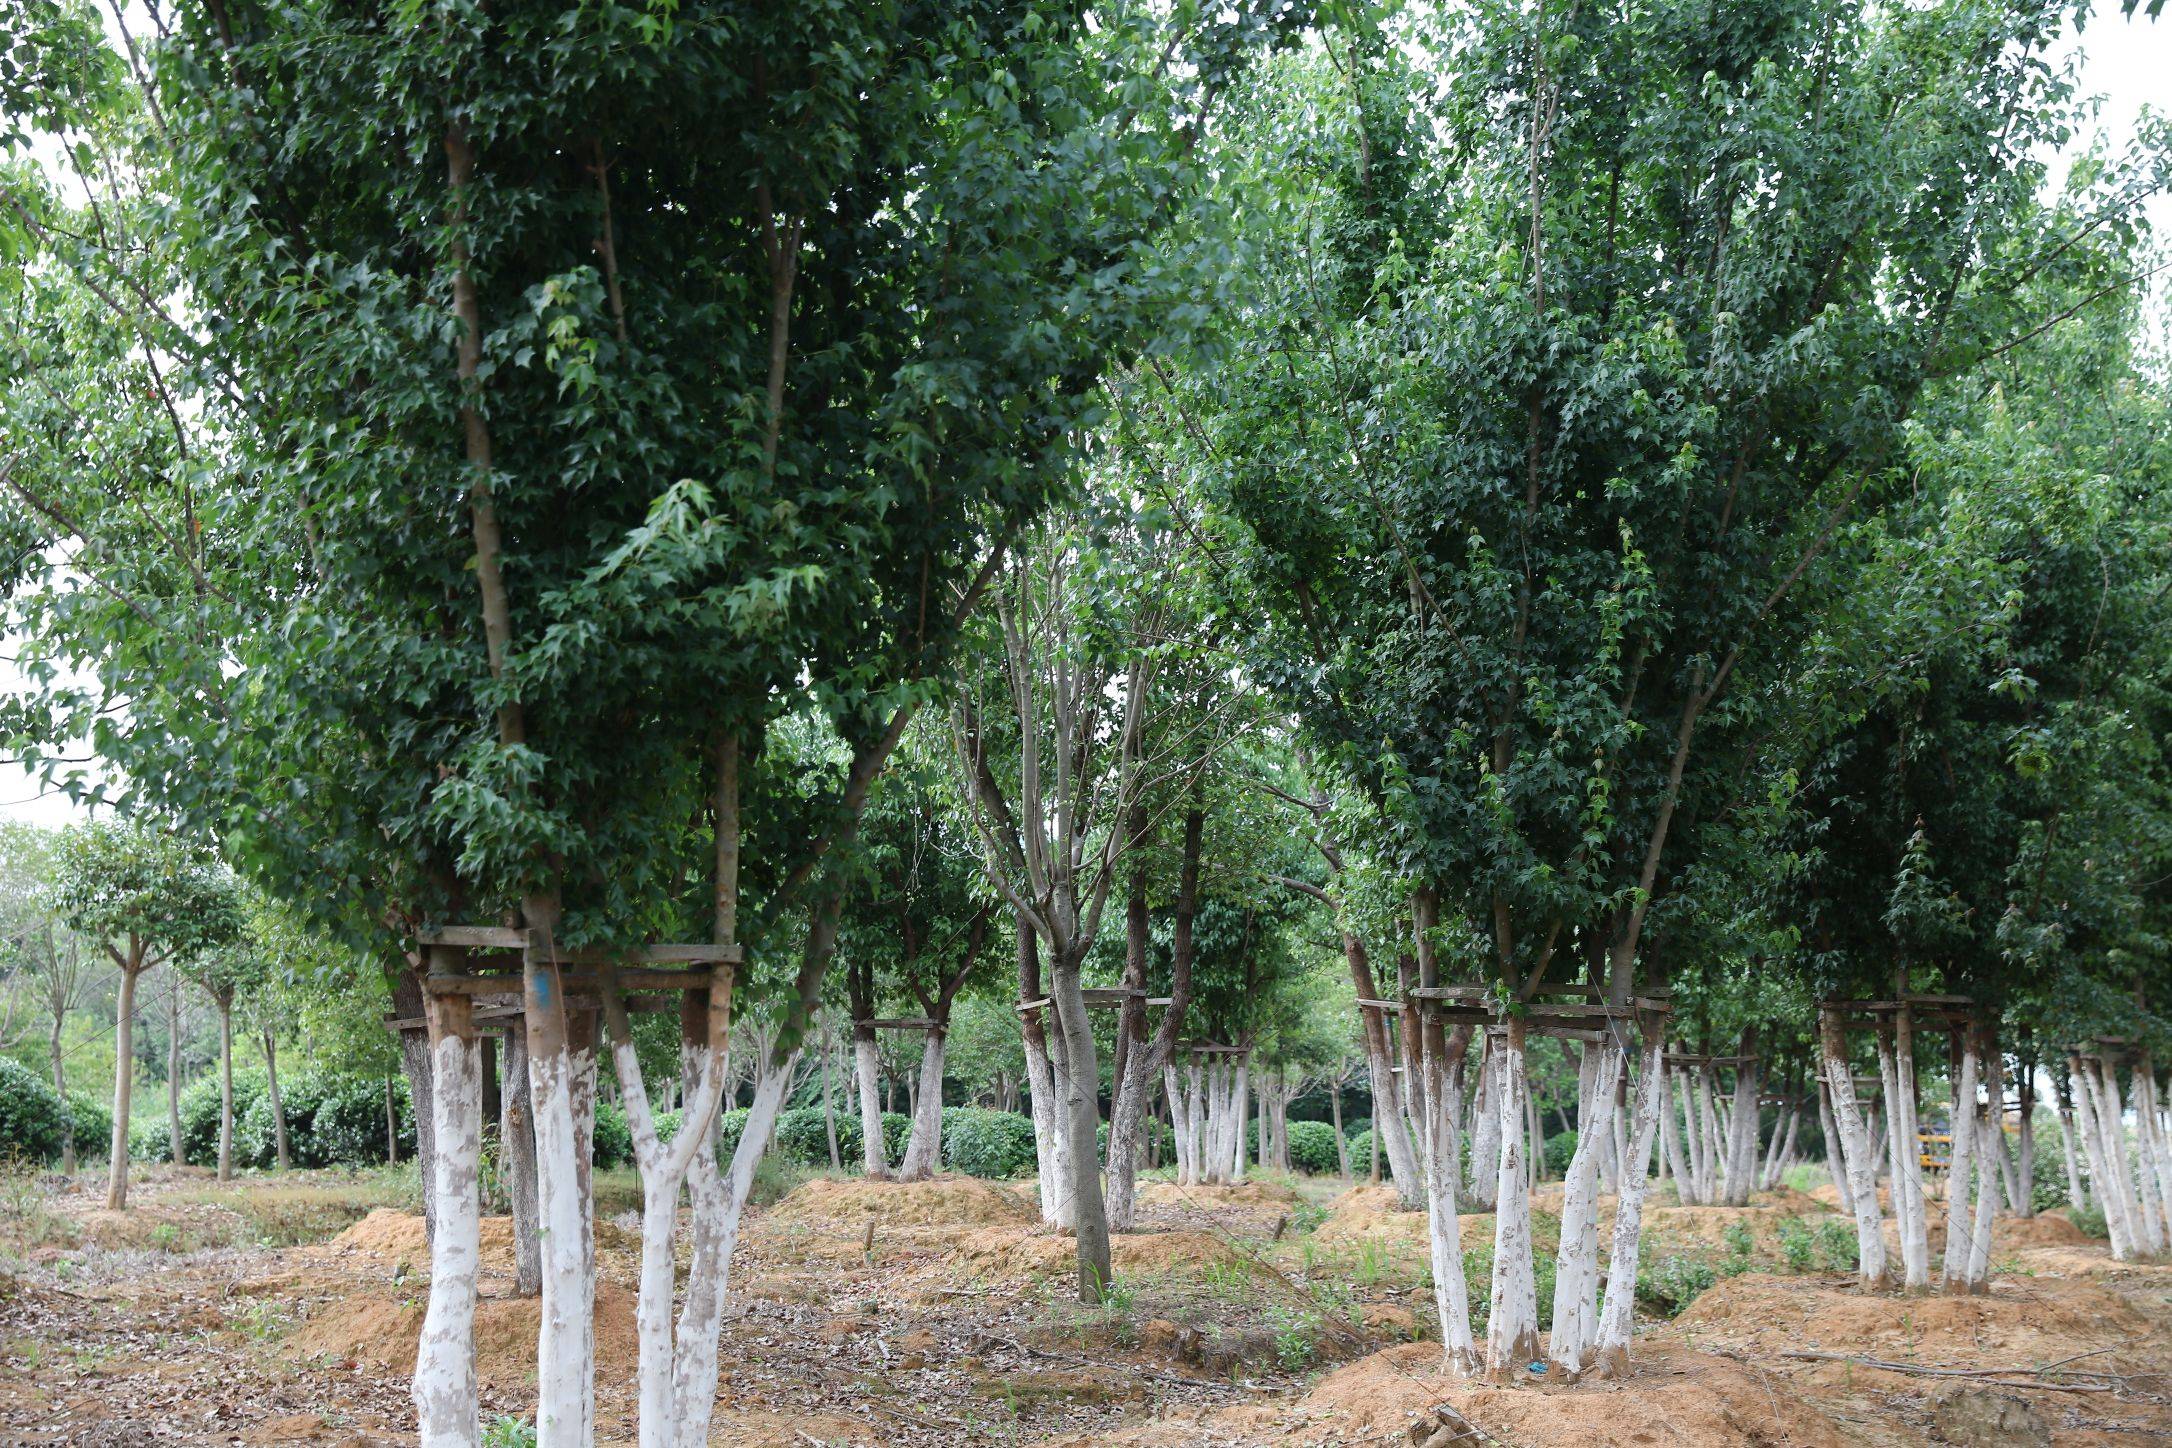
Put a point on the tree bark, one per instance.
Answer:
(1512, 1332)
(1083, 1119)
(173, 1070)
(60, 1089)
(516, 1163)
(444, 1384)
(226, 1087)
(1856, 1148)
(280, 1148)
(924, 1152)
(124, 1071)
(866, 1065)
(1610, 1351)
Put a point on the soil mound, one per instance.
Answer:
(2019, 1319)
(384, 1330)
(1375, 1214)
(1131, 1254)
(1240, 1194)
(942, 1202)
(1671, 1397)
(1785, 1199)
(402, 1237)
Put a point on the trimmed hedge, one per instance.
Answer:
(1560, 1147)
(1361, 1157)
(1312, 1147)
(984, 1143)
(33, 1119)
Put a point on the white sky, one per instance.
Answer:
(2127, 62)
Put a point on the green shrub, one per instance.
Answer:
(1361, 1157)
(33, 1119)
(983, 1143)
(346, 1126)
(1673, 1282)
(2089, 1221)
(802, 1136)
(1559, 1148)
(93, 1124)
(1353, 1129)
(1837, 1245)
(613, 1142)
(1796, 1244)
(1312, 1147)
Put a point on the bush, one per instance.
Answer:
(1672, 1283)
(802, 1136)
(341, 1121)
(1361, 1157)
(2089, 1221)
(1312, 1147)
(1560, 1147)
(613, 1142)
(33, 1118)
(1357, 1127)
(93, 1124)
(983, 1143)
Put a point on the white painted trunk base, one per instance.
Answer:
(444, 1388)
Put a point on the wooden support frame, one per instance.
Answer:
(895, 1023)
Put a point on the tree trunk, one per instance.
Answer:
(2077, 1195)
(1342, 1148)
(1610, 1352)
(1576, 1276)
(1855, 1146)
(1741, 1161)
(407, 1003)
(2100, 1146)
(1989, 1178)
(281, 1153)
(60, 1089)
(874, 1163)
(924, 1153)
(226, 1089)
(829, 1104)
(564, 1387)
(516, 1162)
(1960, 1217)
(1441, 1165)
(124, 1071)
(444, 1386)
(1512, 1332)
(173, 1070)
(1836, 1160)
(1083, 1119)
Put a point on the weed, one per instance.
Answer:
(1296, 1336)
(1837, 1246)
(508, 1432)
(1796, 1244)
(1673, 1282)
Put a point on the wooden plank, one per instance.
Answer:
(1572, 1033)
(1214, 1050)
(1449, 992)
(696, 953)
(1024, 1006)
(1161, 1000)
(896, 1023)
(1391, 1007)
(484, 937)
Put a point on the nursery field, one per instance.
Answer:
(1279, 1311)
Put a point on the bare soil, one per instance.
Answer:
(284, 1310)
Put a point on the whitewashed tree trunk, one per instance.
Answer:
(561, 1386)
(719, 1200)
(1391, 1128)
(1576, 1267)
(924, 1152)
(2088, 1110)
(1855, 1145)
(1512, 1333)
(1442, 1166)
(2141, 1231)
(2077, 1194)
(1180, 1124)
(1989, 1179)
(1485, 1164)
(1914, 1251)
(446, 1406)
(1610, 1350)
(1672, 1153)
(2156, 1141)
(1961, 1180)
(1052, 1160)
(1240, 1100)
(866, 1071)
(1908, 1196)
(1739, 1170)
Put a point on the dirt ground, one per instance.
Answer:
(284, 1310)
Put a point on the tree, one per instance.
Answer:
(148, 898)
(35, 942)
(1569, 502)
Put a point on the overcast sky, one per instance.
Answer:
(2127, 62)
